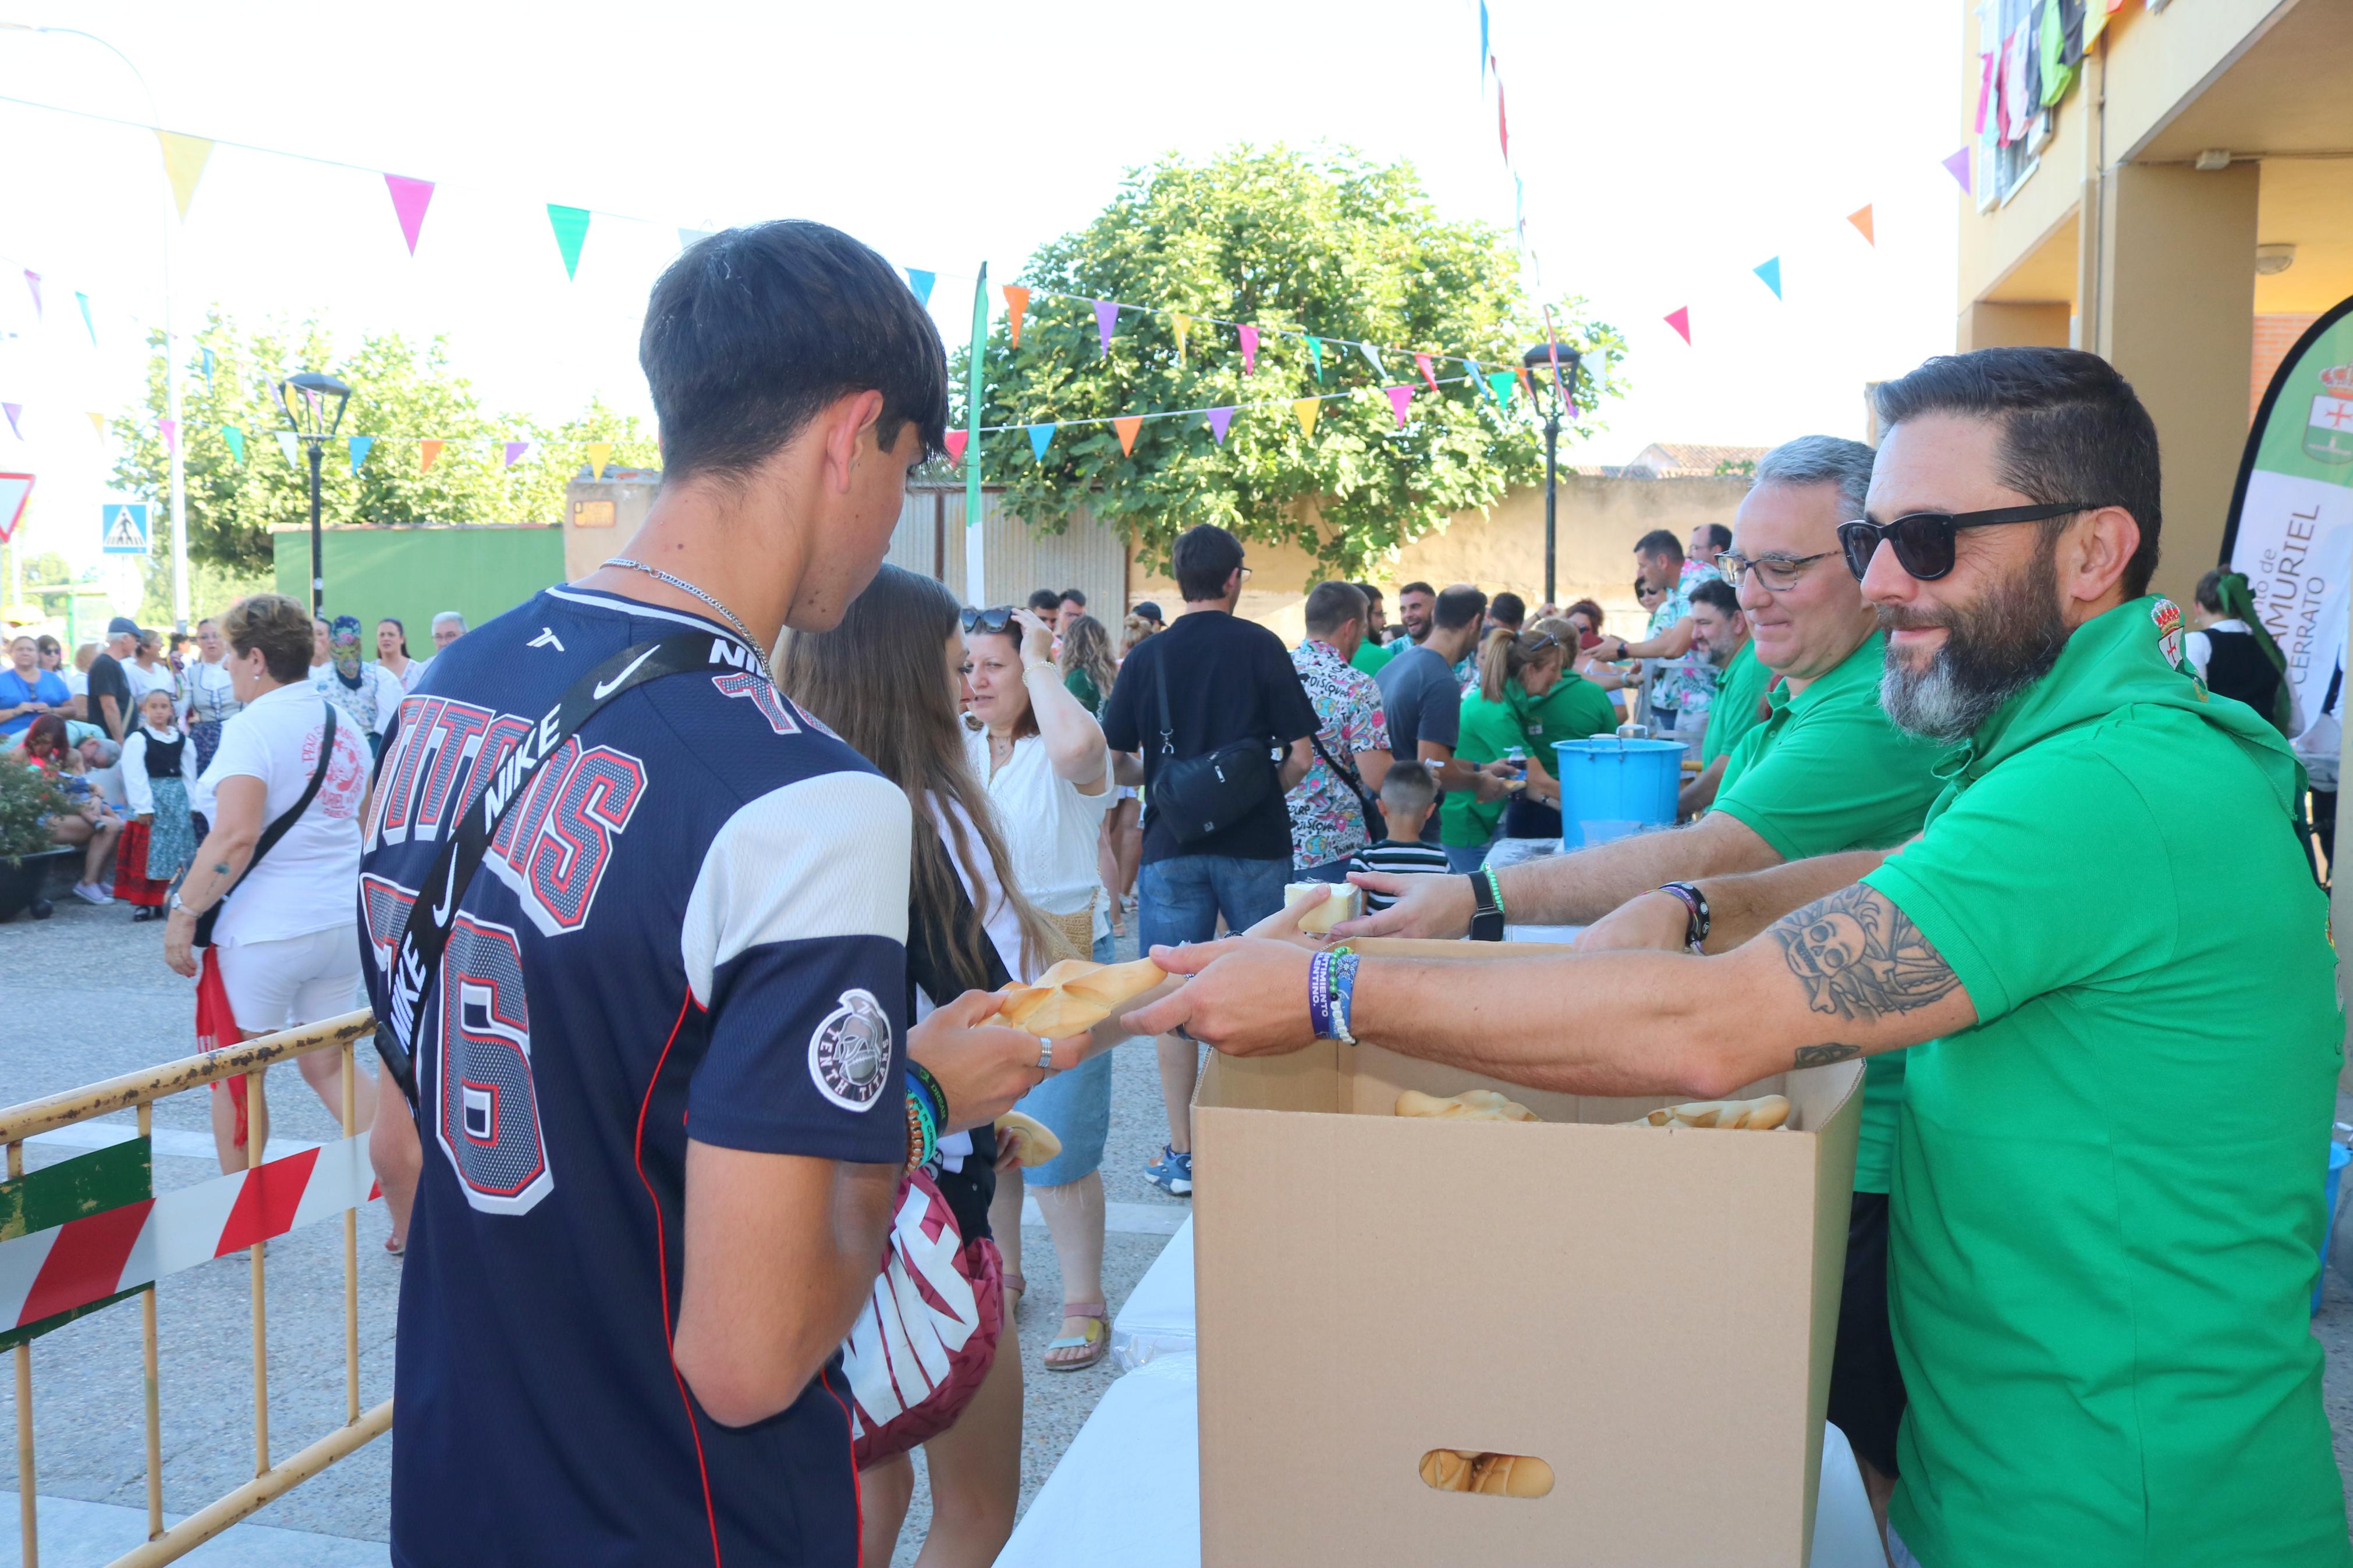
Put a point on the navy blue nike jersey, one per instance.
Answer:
(692, 923)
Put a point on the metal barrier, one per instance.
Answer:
(142, 1089)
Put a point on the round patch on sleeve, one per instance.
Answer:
(850, 1054)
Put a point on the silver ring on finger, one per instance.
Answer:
(1045, 1054)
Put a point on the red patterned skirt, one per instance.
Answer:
(132, 884)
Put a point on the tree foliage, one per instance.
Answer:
(1329, 244)
(401, 394)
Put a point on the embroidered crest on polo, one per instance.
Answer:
(850, 1054)
(2168, 617)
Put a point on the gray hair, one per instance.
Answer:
(1821, 460)
(450, 615)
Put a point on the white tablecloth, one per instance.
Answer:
(1157, 1318)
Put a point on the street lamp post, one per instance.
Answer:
(1551, 367)
(314, 426)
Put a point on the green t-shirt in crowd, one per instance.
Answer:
(1488, 731)
(1826, 772)
(1081, 685)
(2107, 1209)
(1733, 713)
(1370, 656)
(1573, 709)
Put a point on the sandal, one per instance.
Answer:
(397, 1249)
(1095, 1341)
(1014, 1283)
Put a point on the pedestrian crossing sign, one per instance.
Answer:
(125, 528)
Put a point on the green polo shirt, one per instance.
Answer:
(2107, 1210)
(1827, 771)
(1733, 713)
(1488, 731)
(1573, 709)
(1370, 656)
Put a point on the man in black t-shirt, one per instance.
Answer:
(109, 688)
(1227, 680)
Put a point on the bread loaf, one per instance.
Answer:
(1076, 994)
(1470, 1105)
(1449, 1469)
(1033, 1142)
(1345, 903)
(1510, 1475)
(1765, 1111)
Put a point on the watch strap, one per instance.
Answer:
(1486, 913)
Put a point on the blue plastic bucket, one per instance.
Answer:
(2338, 1156)
(1611, 788)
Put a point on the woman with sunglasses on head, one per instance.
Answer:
(888, 680)
(1048, 776)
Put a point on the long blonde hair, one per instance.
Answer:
(1086, 646)
(1506, 653)
(877, 680)
(1134, 630)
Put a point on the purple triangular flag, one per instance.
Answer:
(1250, 349)
(11, 410)
(1399, 397)
(1218, 419)
(170, 430)
(515, 449)
(33, 281)
(1958, 165)
(1107, 317)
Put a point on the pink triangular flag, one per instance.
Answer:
(33, 281)
(1958, 165)
(1107, 317)
(1218, 419)
(1680, 320)
(956, 442)
(11, 410)
(1249, 348)
(170, 430)
(409, 200)
(515, 449)
(1399, 397)
(1422, 364)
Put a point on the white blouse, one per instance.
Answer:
(206, 693)
(1050, 828)
(138, 792)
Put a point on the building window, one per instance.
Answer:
(2005, 32)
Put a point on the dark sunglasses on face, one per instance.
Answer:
(1925, 541)
(995, 620)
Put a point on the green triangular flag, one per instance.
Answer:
(571, 225)
(1501, 382)
(1316, 352)
(236, 439)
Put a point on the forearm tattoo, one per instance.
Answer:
(1860, 958)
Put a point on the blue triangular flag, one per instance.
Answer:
(1771, 270)
(1316, 352)
(208, 369)
(286, 444)
(1478, 387)
(1483, 42)
(360, 445)
(1040, 436)
(83, 300)
(236, 439)
(920, 282)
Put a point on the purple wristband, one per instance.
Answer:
(1319, 994)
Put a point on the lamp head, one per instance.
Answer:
(1539, 362)
(314, 393)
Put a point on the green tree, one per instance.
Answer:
(1293, 244)
(403, 395)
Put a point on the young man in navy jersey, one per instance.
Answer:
(660, 1075)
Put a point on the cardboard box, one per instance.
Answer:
(1649, 1310)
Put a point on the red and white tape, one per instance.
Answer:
(68, 1266)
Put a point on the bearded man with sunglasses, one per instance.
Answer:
(2105, 1219)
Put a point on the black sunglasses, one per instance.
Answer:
(996, 620)
(1923, 540)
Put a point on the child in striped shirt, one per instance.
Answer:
(1409, 795)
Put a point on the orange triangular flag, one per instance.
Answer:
(1861, 218)
(425, 452)
(1127, 428)
(1305, 409)
(1017, 304)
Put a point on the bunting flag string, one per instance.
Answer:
(1305, 409)
(570, 226)
(13, 410)
(1769, 269)
(360, 445)
(1016, 305)
(1861, 218)
(87, 325)
(1218, 419)
(1106, 318)
(290, 447)
(920, 282)
(426, 451)
(409, 200)
(98, 424)
(601, 453)
(1128, 426)
(1249, 348)
(33, 281)
(1040, 437)
(183, 164)
(236, 439)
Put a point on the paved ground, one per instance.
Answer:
(87, 996)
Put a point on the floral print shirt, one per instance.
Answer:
(1327, 823)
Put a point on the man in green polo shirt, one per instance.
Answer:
(1720, 630)
(1825, 773)
(2107, 1210)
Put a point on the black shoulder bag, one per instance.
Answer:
(274, 832)
(417, 955)
(1368, 803)
(1206, 794)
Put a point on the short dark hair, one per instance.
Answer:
(1045, 601)
(1073, 596)
(276, 625)
(2072, 429)
(1372, 594)
(1417, 587)
(1331, 606)
(1205, 556)
(1507, 609)
(751, 331)
(1718, 536)
(1716, 591)
(1659, 541)
(1459, 606)
(1409, 788)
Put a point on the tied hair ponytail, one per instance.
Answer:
(1506, 654)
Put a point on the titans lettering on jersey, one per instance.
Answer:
(691, 918)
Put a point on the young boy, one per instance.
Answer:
(1407, 796)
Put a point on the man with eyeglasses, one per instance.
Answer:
(2107, 1211)
(1824, 772)
(1720, 634)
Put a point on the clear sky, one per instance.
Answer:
(1667, 150)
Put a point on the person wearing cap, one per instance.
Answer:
(2107, 1207)
(109, 683)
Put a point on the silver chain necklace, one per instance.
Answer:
(683, 586)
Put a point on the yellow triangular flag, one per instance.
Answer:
(1307, 408)
(425, 452)
(184, 161)
(599, 454)
(1181, 323)
(98, 423)
(1861, 218)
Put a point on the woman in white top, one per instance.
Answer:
(207, 695)
(392, 654)
(1048, 776)
(287, 944)
(148, 670)
(367, 694)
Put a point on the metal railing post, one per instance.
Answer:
(253, 1136)
(351, 1252)
(154, 1392)
(27, 1525)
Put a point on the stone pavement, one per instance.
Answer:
(85, 995)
